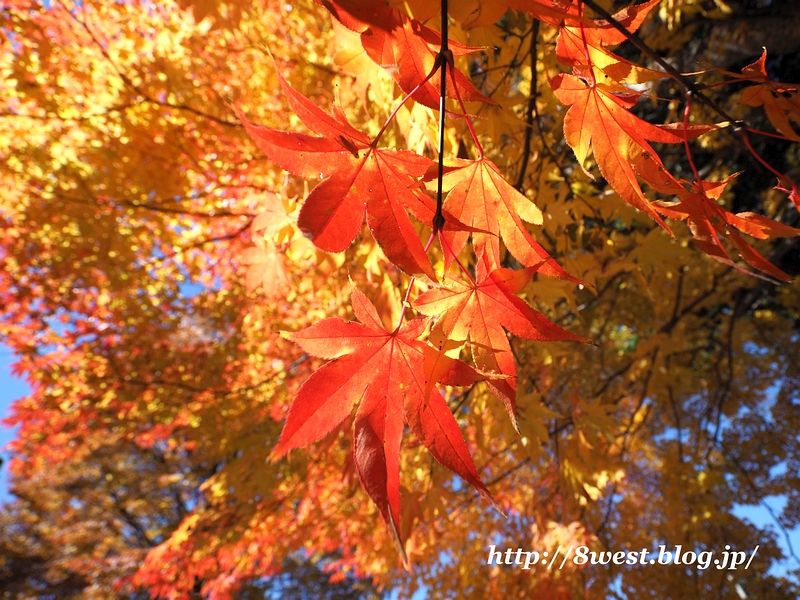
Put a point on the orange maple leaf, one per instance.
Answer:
(781, 101)
(481, 198)
(265, 266)
(387, 375)
(710, 223)
(406, 48)
(599, 117)
(360, 181)
(480, 311)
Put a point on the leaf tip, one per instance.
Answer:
(396, 539)
(276, 455)
(495, 504)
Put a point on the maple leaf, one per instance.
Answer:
(480, 311)
(406, 48)
(272, 219)
(600, 32)
(709, 222)
(781, 101)
(561, 12)
(223, 12)
(191, 379)
(477, 13)
(572, 49)
(599, 116)
(408, 52)
(360, 15)
(481, 198)
(552, 12)
(586, 44)
(266, 266)
(387, 375)
(359, 181)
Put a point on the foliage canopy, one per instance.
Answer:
(216, 279)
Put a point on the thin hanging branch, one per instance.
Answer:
(444, 59)
(634, 39)
(530, 111)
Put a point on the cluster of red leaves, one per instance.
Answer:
(599, 117)
(390, 377)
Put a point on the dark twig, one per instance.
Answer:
(684, 82)
(445, 59)
(530, 112)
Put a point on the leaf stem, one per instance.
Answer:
(740, 128)
(653, 55)
(777, 136)
(586, 54)
(782, 179)
(447, 246)
(452, 68)
(436, 66)
(530, 111)
(408, 290)
(444, 56)
(708, 86)
(688, 109)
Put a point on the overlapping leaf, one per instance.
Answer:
(265, 266)
(571, 14)
(709, 222)
(405, 48)
(480, 312)
(781, 101)
(359, 180)
(481, 198)
(586, 44)
(386, 374)
(599, 117)
(552, 12)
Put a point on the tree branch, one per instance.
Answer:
(530, 111)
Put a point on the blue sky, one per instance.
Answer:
(11, 388)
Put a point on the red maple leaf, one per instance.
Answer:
(387, 375)
(480, 311)
(710, 223)
(482, 199)
(358, 180)
(599, 116)
(406, 48)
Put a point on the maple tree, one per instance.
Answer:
(575, 286)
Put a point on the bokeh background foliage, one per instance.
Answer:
(144, 300)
